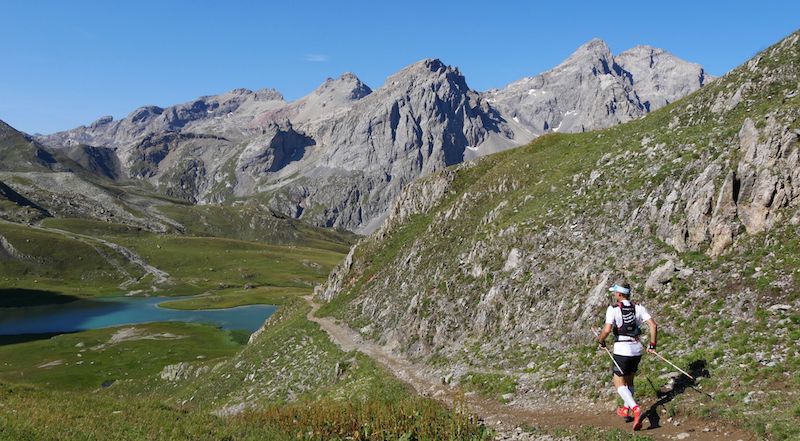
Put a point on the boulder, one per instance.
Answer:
(660, 276)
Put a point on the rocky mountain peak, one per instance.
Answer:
(145, 113)
(659, 77)
(427, 68)
(348, 85)
(333, 96)
(241, 91)
(103, 120)
(427, 71)
(643, 50)
(423, 118)
(593, 89)
(268, 94)
(595, 45)
(433, 64)
(593, 51)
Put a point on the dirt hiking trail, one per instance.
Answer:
(505, 418)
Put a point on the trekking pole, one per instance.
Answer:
(609, 353)
(653, 386)
(672, 364)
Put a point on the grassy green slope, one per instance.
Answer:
(577, 208)
(291, 382)
(55, 259)
(222, 248)
(130, 357)
(291, 358)
(28, 413)
(51, 261)
(252, 222)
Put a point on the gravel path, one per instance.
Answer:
(507, 418)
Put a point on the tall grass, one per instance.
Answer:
(411, 418)
(31, 413)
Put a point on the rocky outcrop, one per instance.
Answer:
(418, 198)
(767, 173)
(277, 147)
(335, 283)
(661, 275)
(183, 371)
(718, 204)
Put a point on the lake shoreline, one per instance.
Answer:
(104, 312)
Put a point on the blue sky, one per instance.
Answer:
(66, 63)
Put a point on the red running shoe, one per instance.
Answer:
(624, 411)
(637, 418)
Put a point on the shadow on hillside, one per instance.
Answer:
(696, 369)
(24, 338)
(21, 298)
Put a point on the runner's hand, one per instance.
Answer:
(601, 344)
(651, 347)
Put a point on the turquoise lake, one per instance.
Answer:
(84, 314)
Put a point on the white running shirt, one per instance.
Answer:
(628, 346)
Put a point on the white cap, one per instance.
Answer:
(619, 289)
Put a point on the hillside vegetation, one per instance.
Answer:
(501, 266)
(177, 381)
(85, 257)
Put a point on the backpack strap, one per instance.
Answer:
(614, 327)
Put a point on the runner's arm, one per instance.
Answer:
(604, 333)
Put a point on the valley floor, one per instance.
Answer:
(512, 420)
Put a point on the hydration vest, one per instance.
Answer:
(630, 328)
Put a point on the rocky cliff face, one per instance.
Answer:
(504, 263)
(423, 119)
(340, 155)
(336, 157)
(592, 89)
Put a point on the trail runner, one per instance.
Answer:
(624, 320)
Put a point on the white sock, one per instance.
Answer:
(627, 396)
(633, 393)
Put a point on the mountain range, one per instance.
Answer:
(487, 267)
(340, 155)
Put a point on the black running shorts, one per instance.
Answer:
(629, 365)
